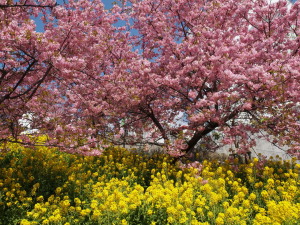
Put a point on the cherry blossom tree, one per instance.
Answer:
(224, 66)
(169, 73)
(23, 63)
(52, 75)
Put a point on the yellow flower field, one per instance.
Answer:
(45, 186)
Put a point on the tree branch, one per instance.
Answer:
(210, 127)
(3, 6)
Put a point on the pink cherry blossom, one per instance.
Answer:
(126, 75)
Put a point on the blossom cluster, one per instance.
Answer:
(46, 186)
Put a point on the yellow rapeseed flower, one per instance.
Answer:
(219, 221)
